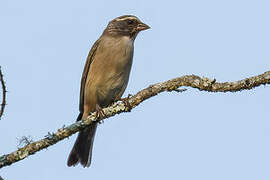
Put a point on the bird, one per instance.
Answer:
(104, 79)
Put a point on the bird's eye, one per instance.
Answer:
(130, 21)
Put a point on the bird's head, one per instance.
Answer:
(126, 25)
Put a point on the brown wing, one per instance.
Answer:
(89, 60)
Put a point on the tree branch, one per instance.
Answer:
(203, 84)
(4, 91)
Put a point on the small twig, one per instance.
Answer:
(180, 90)
(25, 140)
(4, 91)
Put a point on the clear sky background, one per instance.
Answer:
(192, 135)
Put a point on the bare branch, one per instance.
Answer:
(203, 84)
(4, 91)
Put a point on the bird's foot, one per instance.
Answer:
(100, 115)
(126, 102)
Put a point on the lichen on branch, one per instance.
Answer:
(203, 84)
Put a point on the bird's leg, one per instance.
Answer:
(100, 115)
(126, 101)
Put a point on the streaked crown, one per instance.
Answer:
(127, 25)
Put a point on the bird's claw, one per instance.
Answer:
(100, 114)
(126, 102)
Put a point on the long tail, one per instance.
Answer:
(82, 149)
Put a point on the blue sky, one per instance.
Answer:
(192, 135)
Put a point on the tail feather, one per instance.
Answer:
(82, 149)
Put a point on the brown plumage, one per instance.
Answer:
(105, 78)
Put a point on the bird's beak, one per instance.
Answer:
(141, 26)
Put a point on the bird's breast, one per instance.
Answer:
(110, 69)
(117, 54)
